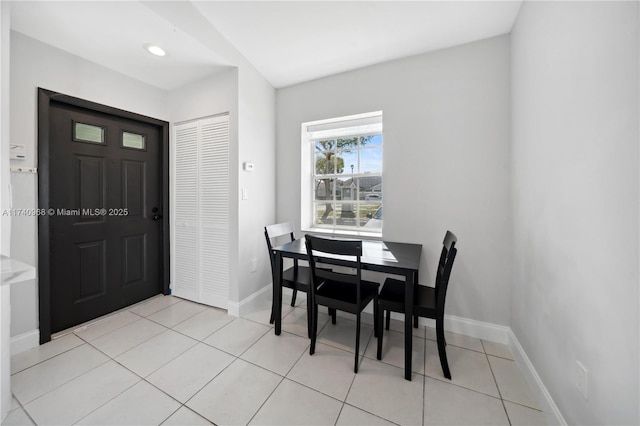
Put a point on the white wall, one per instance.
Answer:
(446, 160)
(35, 64)
(5, 124)
(257, 101)
(250, 99)
(255, 142)
(575, 201)
(5, 203)
(215, 95)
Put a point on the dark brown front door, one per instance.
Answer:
(105, 213)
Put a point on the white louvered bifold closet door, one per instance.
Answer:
(200, 261)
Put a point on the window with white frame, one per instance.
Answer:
(344, 173)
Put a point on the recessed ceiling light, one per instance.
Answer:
(154, 50)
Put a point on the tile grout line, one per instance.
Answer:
(372, 414)
(130, 349)
(99, 320)
(518, 368)
(109, 358)
(108, 401)
(181, 404)
(371, 337)
(76, 377)
(142, 379)
(178, 323)
(52, 357)
(266, 399)
(126, 389)
(352, 381)
(238, 357)
(148, 382)
(108, 332)
(393, 365)
(306, 386)
(64, 383)
(206, 384)
(284, 377)
(24, 410)
(496, 381)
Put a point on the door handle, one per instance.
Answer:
(157, 217)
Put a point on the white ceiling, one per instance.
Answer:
(288, 42)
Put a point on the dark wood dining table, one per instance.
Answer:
(381, 256)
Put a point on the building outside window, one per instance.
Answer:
(345, 174)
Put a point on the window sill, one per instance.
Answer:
(343, 233)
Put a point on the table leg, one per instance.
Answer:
(408, 322)
(415, 293)
(277, 294)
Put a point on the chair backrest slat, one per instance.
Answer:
(445, 266)
(336, 276)
(273, 232)
(317, 246)
(339, 247)
(449, 240)
(279, 229)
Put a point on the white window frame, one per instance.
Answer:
(348, 126)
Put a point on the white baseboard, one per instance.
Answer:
(468, 327)
(248, 304)
(480, 330)
(551, 410)
(25, 341)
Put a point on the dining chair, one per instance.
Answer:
(297, 277)
(428, 302)
(343, 291)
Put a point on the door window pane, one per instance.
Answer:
(133, 140)
(88, 133)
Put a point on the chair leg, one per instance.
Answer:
(380, 314)
(355, 366)
(314, 329)
(441, 347)
(272, 319)
(332, 312)
(388, 319)
(415, 297)
(293, 297)
(375, 317)
(309, 314)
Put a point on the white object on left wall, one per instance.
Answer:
(18, 152)
(200, 215)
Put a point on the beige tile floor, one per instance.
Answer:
(173, 362)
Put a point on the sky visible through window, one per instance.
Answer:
(371, 159)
